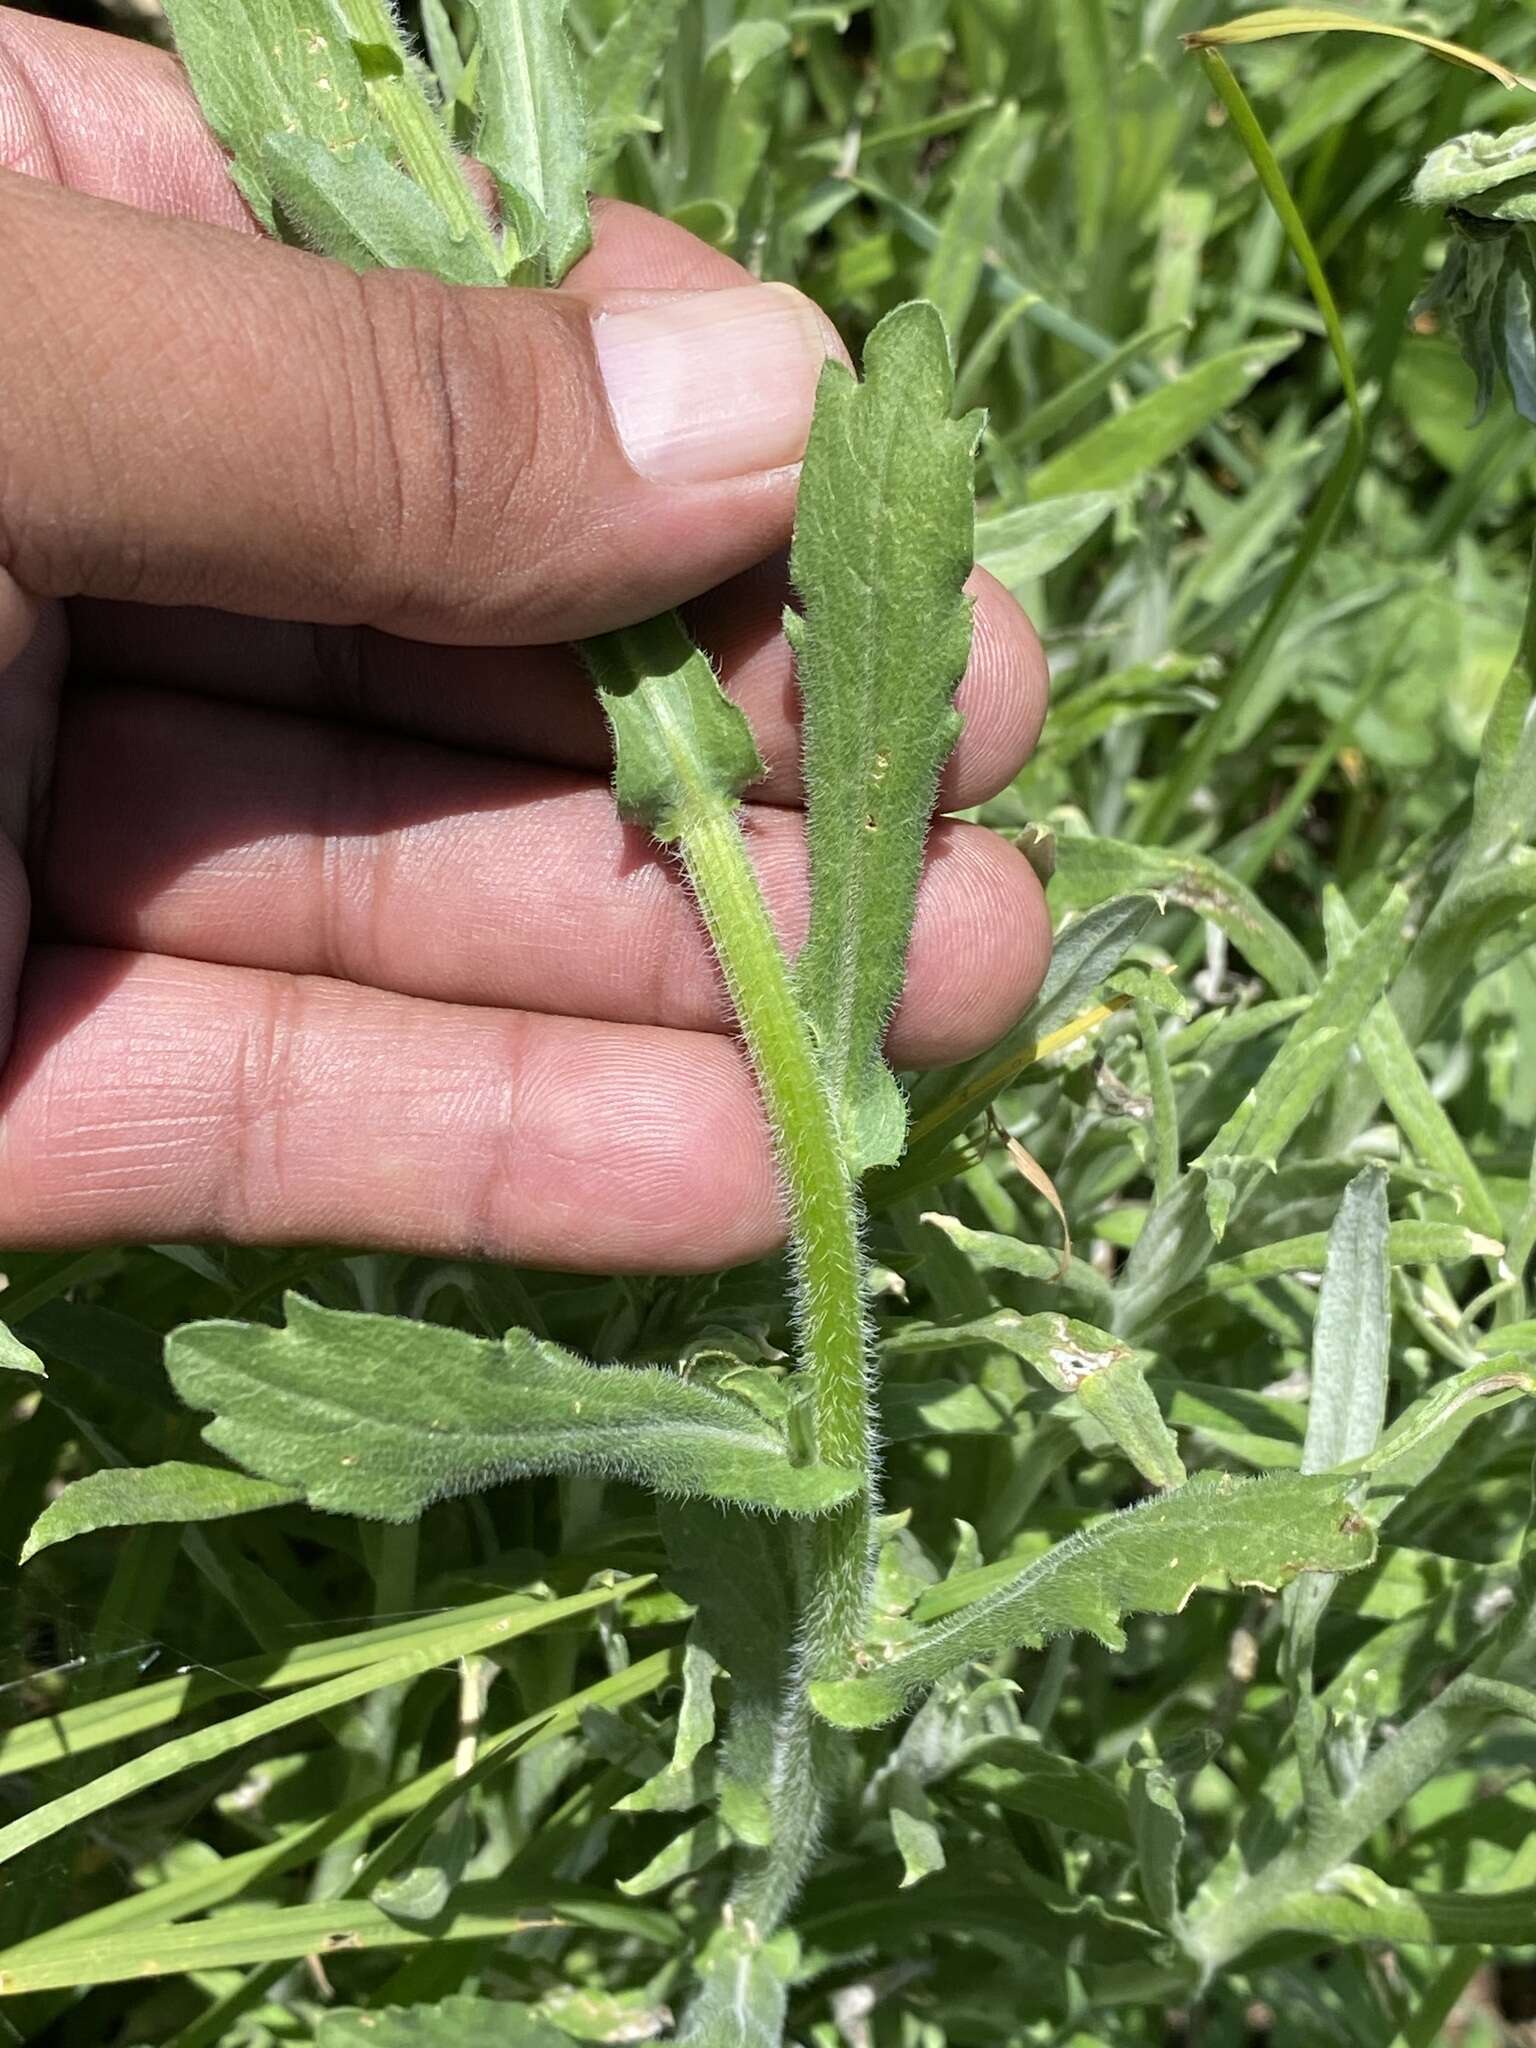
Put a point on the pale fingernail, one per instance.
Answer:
(708, 385)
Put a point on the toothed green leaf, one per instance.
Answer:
(677, 737)
(375, 1416)
(884, 540)
(1146, 1560)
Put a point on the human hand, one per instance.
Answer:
(316, 920)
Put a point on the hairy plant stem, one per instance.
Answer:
(424, 146)
(823, 1214)
(836, 1554)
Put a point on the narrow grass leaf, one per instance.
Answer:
(1416, 1109)
(1145, 1560)
(1057, 412)
(132, 1498)
(1118, 452)
(122, 1717)
(1088, 73)
(377, 1416)
(414, 1804)
(532, 132)
(485, 1912)
(208, 1745)
(1167, 802)
(952, 274)
(1315, 1049)
(884, 536)
(1270, 22)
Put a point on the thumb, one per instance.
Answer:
(193, 416)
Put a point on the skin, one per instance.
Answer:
(316, 923)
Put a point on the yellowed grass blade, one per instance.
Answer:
(1300, 21)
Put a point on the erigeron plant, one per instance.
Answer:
(769, 1484)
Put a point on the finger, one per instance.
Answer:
(537, 703)
(190, 416)
(259, 840)
(112, 118)
(119, 120)
(150, 1098)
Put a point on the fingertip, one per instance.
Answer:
(980, 948)
(1003, 697)
(623, 1181)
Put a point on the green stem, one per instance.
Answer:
(418, 135)
(838, 1552)
(682, 754)
(823, 1210)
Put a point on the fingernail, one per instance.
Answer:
(708, 385)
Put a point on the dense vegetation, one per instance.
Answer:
(502, 1773)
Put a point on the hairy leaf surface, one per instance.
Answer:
(135, 1497)
(273, 67)
(745, 1992)
(532, 133)
(677, 737)
(618, 77)
(376, 1416)
(1146, 1560)
(883, 544)
(16, 1356)
(367, 214)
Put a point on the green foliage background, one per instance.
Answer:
(1033, 1856)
